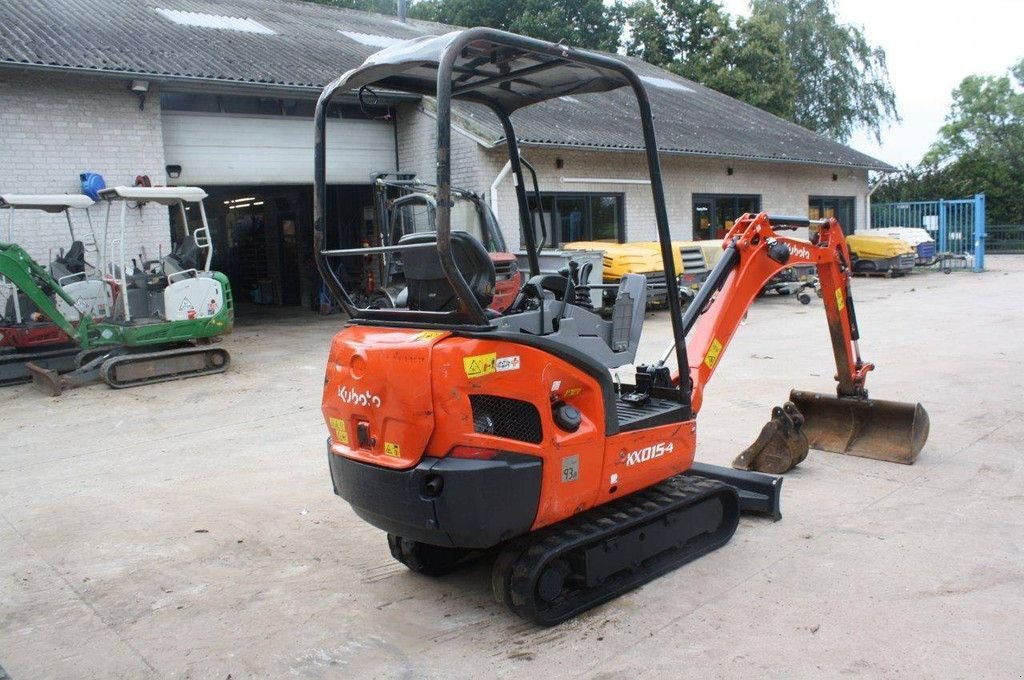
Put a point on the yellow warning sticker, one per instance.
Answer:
(340, 432)
(840, 302)
(572, 392)
(712, 356)
(391, 449)
(428, 335)
(480, 365)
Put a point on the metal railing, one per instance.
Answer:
(958, 226)
(1005, 238)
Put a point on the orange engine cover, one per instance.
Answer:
(414, 393)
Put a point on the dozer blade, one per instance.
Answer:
(780, 447)
(892, 431)
(46, 381)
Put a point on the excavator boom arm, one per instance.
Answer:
(755, 253)
(32, 279)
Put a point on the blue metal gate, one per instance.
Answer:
(958, 226)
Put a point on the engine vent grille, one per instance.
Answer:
(508, 418)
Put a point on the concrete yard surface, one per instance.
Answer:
(189, 530)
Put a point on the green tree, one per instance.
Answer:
(750, 63)
(581, 23)
(675, 34)
(842, 82)
(980, 149)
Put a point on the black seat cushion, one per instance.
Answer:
(186, 253)
(74, 259)
(429, 290)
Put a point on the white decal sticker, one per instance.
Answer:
(350, 396)
(570, 468)
(555, 386)
(507, 364)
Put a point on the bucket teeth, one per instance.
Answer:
(780, 447)
(891, 431)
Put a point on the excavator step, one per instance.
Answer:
(556, 573)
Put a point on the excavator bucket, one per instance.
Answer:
(892, 431)
(780, 447)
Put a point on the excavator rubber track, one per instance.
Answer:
(131, 370)
(119, 368)
(554, 574)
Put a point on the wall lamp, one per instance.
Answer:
(174, 171)
(139, 87)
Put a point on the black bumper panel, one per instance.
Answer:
(480, 504)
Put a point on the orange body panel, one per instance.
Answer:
(412, 389)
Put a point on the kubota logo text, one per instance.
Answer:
(645, 454)
(800, 251)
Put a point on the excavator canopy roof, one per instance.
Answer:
(52, 203)
(485, 72)
(162, 195)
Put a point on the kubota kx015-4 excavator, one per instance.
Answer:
(458, 429)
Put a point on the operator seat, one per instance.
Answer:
(185, 255)
(71, 262)
(428, 288)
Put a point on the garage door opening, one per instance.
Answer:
(263, 240)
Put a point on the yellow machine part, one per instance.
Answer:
(641, 257)
(625, 258)
(877, 247)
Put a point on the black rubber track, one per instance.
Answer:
(614, 548)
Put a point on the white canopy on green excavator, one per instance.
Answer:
(52, 203)
(162, 195)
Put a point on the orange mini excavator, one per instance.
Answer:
(457, 429)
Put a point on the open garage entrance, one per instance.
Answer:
(254, 157)
(263, 239)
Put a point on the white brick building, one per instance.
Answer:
(229, 94)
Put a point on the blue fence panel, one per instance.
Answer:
(958, 226)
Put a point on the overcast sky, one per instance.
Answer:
(930, 46)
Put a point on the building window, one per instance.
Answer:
(581, 217)
(839, 207)
(189, 101)
(714, 214)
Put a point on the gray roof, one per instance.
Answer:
(301, 45)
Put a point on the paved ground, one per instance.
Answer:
(189, 531)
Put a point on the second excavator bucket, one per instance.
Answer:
(780, 447)
(892, 431)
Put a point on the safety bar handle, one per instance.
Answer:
(62, 280)
(182, 273)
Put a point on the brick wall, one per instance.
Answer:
(54, 127)
(417, 149)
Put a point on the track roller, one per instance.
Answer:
(558, 572)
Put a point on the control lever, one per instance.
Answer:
(571, 274)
